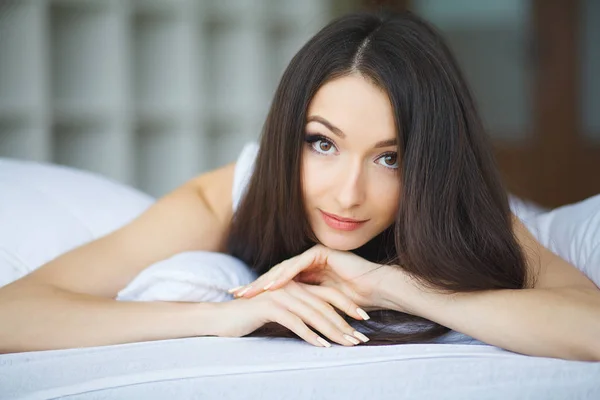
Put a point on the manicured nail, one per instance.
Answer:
(269, 285)
(235, 289)
(324, 342)
(351, 339)
(240, 294)
(361, 336)
(362, 313)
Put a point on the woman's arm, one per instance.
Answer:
(558, 317)
(44, 317)
(557, 322)
(68, 302)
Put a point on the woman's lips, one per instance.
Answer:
(342, 225)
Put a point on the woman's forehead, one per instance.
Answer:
(353, 106)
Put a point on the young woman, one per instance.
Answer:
(373, 188)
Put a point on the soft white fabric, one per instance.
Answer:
(269, 368)
(192, 276)
(46, 210)
(244, 167)
(525, 210)
(573, 232)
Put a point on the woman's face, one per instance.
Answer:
(349, 163)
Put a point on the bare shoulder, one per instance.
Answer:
(216, 187)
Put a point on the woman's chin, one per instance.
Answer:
(341, 242)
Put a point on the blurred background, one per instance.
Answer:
(153, 92)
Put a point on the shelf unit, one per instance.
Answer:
(146, 92)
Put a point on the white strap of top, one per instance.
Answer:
(243, 171)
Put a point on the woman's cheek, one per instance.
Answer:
(319, 169)
(312, 173)
(387, 191)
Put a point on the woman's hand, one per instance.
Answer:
(343, 271)
(295, 305)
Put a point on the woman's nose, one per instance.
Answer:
(351, 192)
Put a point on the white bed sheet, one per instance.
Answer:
(279, 368)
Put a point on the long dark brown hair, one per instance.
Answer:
(453, 231)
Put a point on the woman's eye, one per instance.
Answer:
(389, 160)
(323, 146)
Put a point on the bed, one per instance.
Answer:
(62, 208)
(259, 368)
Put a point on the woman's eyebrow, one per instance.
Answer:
(386, 143)
(328, 125)
(338, 131)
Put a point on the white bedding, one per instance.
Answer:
(260, 368)
(48, 210)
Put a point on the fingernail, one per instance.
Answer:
(269, 285)
(351, 339)
(234, 289)
(323, 341)
(240, 294)
(362, 313)
(361, 336)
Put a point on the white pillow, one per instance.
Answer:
(46, 210)
(191, 276)
(573, 232)
(525, 209)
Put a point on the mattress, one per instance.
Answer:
(284, 368)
